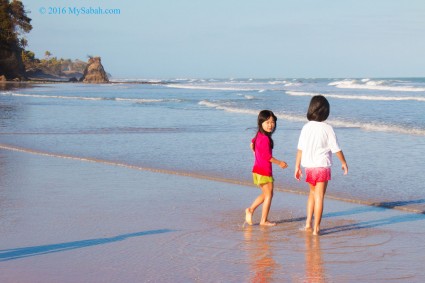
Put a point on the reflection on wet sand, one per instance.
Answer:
(314, 270)
(260, 256)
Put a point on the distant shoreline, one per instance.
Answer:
(50, 81)
(30, 83)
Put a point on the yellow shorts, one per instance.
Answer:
(260, 179)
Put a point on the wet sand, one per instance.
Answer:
(65, 220)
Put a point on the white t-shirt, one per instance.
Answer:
(317, 142)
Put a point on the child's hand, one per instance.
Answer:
(345, 168)
(283, 165)
(298, 174)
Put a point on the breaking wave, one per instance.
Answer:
(375, 127)
(213, 87)
(359, 97)
(119, 99)
(374, 85)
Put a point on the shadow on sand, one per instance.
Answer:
(12, 254)
(375, 207)
(395, 204)
(375, 223)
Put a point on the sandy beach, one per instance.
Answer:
(126, 149)
(65, 220)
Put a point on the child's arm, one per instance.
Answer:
(298, 172)
(341, 158)
(282, 164)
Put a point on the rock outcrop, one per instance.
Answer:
(94, 72)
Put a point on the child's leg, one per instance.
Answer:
(250, 210)
(257, 202)
(319, 197)
(310, 207)
(268, 195)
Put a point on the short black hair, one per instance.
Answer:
(319, 109)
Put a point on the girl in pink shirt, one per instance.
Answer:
(262, 146)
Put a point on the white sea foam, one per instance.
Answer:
(375, 127)
(293, 84)
(52, 96)
(146, 100)
(226, 108)
(129, 80)
(133, 100)
(295, 118)
(359, 97)
(374, 85)
(211, 87)
(277, 82)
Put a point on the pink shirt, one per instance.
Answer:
(263, 154)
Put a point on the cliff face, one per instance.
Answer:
(94, 72)
(11, 65)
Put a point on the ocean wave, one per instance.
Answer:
(119, 99)
(138, 80)
(295, 118)
(146, 100)
(53, 96)
(359, 97)
(277, 82)
(374, 85)
(378, 127)
(246, 96)
(100, 131)
(226, 108)
(247, 85)
(212, 87)
(286, 83)
(374, 127)
(189, 174)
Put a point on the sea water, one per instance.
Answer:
(204, 127)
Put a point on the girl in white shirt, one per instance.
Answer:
(316, 144)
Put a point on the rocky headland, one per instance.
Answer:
(94, 72)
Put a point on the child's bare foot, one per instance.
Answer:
(267, 223)
(316, 233)
(306, 229)
(248, 216)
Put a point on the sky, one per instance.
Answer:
(235, 38)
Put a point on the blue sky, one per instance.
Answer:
(237, 38)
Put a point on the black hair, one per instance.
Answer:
(263, 116)
(319, 109)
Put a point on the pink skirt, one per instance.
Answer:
(319, 174)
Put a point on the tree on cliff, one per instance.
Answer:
(14, 22)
